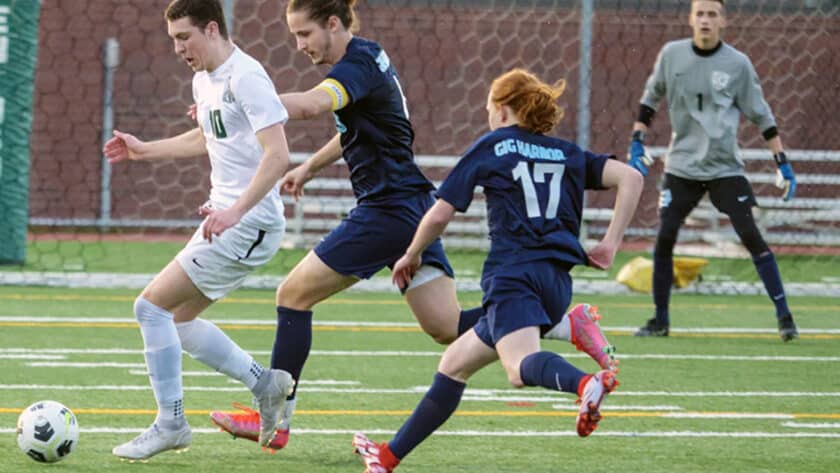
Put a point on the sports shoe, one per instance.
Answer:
(587, 336)
(246, 425)
(787, 328)
(599, 385)
(377, 457)
(271, 402)
(153, 441)
(652, 329)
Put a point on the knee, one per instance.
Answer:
(291, 295)
(442, 337)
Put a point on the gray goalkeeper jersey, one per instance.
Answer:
(706, 95)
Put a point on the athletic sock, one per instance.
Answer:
(162, 350)
(207, 343)
(434, 409)
(663, 278)
(292, 342)
(768, 271)
(550, 371)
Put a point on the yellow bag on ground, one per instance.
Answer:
(637, 274)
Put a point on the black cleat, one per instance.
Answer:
(787, 328)
(652, 329)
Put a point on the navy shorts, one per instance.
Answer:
(729, 195)
(374, 236)
(523, 295)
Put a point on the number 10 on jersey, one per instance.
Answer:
(541, 170)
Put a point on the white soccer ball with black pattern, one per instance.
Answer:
(47, 431)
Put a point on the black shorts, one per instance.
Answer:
(729, 195)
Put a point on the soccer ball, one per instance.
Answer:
(47, 431)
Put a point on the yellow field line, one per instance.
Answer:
(403, 413)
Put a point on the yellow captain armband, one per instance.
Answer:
(340, 97)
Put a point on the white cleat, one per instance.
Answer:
(271, 403)
(598, 386)
(153, 441)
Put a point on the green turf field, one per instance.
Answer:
(732, 398)
(149, 257)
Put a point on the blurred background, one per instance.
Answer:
(73, 71)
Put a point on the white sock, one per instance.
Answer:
(163, 361)
(561, 331)
(286, 415)
(206, 342)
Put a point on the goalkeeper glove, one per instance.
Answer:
(785, 178)
(637, 156)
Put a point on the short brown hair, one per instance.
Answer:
(320, 11)
(533, 101)
(200, 13)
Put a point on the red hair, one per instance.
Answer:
(533, 101)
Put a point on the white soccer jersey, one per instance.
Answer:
(235, 101)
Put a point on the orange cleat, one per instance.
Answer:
(596, 388)
(246, 425)
(377, 457)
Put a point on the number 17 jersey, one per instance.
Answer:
(534, 187)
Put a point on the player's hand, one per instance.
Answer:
(637, 157)
(123, 147)
(601, 255)
(785, 179)
(404, 270)
(192, 112)
(217, 221)
(293, 181)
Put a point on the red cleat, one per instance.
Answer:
(597, 386)
(377, 457)
(246, 425)
(586, 335)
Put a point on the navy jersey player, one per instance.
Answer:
(534, 187)
(363, 91)
(708, 85)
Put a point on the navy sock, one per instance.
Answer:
(292, 341)
(433, 410)
(468, 319)
(768, 271)
(663, 278)
(551, 371)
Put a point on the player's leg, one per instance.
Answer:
(462, 359)
(153, 310)
(433, 300)
(677, 198)
(734, 197)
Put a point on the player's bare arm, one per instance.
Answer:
(274, 162)
(309, 104)
(127, 147)
(629, 184)
(430, 228)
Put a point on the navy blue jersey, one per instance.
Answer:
(534, 186)
(376, 136)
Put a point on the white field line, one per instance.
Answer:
(344, 323)
(806, 425)
(477, 394)
(497, 433)
(389, 353)
(305, 382)
(726, 415)
(23, 356)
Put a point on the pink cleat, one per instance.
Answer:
(586, 335)
(377, 457)
(246, 425)
(597, 386)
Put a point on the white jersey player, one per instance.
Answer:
(241, 129)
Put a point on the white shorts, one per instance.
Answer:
(220, 267)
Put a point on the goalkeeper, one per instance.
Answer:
(708, 84)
